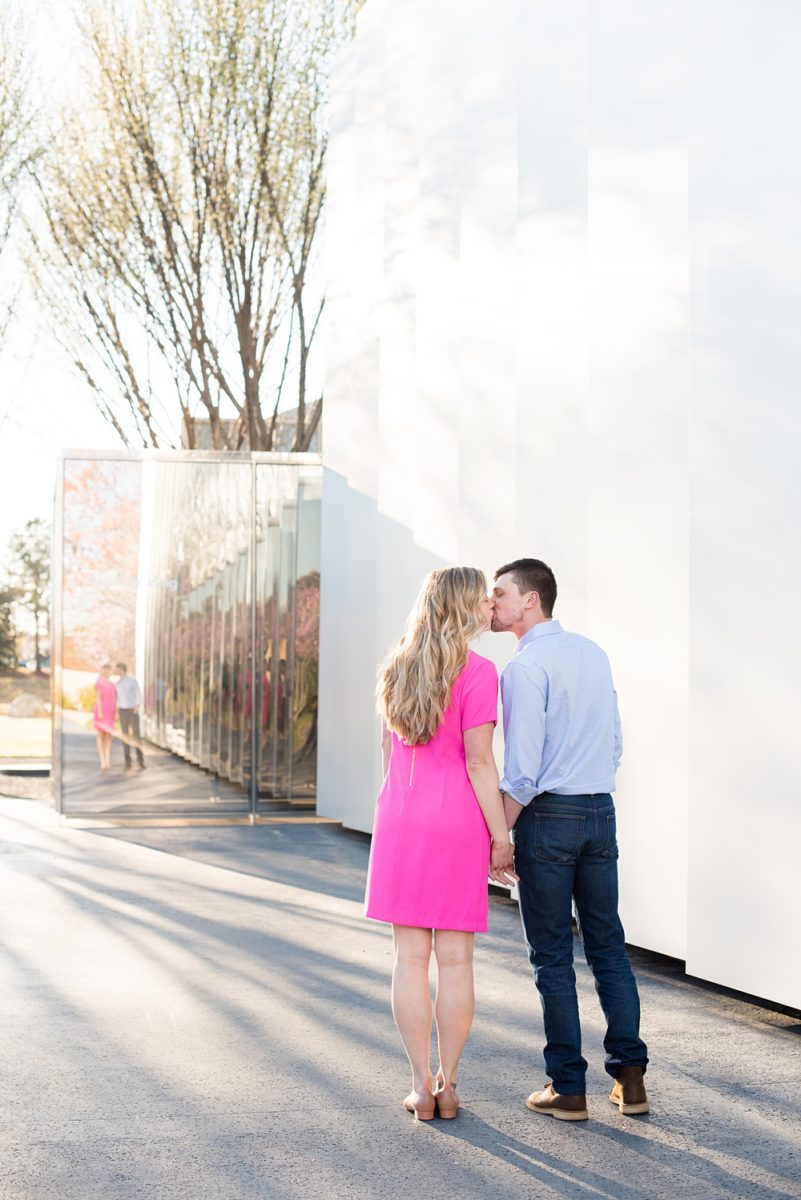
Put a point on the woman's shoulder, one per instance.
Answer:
(480, 666)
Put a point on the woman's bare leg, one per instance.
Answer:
(455, 1001)
(101, 749)
(411, 1000)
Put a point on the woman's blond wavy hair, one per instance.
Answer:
(416, 677)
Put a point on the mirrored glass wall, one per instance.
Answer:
(187, 616)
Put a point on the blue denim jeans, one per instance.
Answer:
(565, 849)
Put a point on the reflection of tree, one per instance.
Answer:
(307, 651)
(101, 561)
(307, 615)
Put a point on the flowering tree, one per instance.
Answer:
(17, 140)
(182, 208)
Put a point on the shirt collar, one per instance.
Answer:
(542, 630)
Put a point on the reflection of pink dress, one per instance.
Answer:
(105, 705)
(431, 847)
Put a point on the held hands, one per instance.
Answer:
(502, 863)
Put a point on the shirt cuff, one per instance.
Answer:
(523, 792)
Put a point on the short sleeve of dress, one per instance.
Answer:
(479, 696)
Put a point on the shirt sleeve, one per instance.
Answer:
(524, 691)
(618, 736)
(479, 698)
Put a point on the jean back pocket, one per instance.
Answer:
(609, 824)
(558, 836)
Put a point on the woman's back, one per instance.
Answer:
(472, 697)
(430, 851)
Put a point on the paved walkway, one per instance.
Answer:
(25, 737)
(203, 1014)
(169, 785)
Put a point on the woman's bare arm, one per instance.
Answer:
(386, 747)
(483, 774)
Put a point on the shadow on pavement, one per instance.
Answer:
(321, 858)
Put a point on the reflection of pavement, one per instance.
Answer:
(172, 1029)
(25, 737)
(168, 784)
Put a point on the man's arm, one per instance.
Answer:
(618, 736)
(511, 809)
(524, 692)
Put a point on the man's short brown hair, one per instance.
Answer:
(533, 575)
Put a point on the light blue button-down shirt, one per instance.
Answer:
(128, 693)
(560, 716)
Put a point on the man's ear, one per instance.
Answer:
(532, 600)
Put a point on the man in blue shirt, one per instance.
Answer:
(563, 746)
(129, 698)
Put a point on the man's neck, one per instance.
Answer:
(522, 627)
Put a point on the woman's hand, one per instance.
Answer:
(502, 863)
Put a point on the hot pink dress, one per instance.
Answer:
(430, 853)
(105, 705)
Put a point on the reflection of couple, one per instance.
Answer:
(442, 822)
(122, 698)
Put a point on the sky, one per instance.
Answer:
(43, 406)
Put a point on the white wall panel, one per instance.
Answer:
(561, 321)
(745, 651)
(548, 334)
(637, 506)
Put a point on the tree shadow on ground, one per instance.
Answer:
(688, 1167)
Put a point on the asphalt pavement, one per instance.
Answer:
(203, 1013)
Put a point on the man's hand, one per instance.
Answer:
(502, 864)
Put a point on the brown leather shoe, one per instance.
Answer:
(564, 1108)
(629, 1092)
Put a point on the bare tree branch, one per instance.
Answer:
(18, 137)
(181, 212)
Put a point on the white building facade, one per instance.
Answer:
(564, 290)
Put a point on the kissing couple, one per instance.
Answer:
(442, 827)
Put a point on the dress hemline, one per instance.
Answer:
(418, 924)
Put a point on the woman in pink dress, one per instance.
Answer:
(104, 714)
(440, 828)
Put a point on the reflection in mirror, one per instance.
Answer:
(194, 624)
(287, 632)
(178, 574)
(306, 641)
